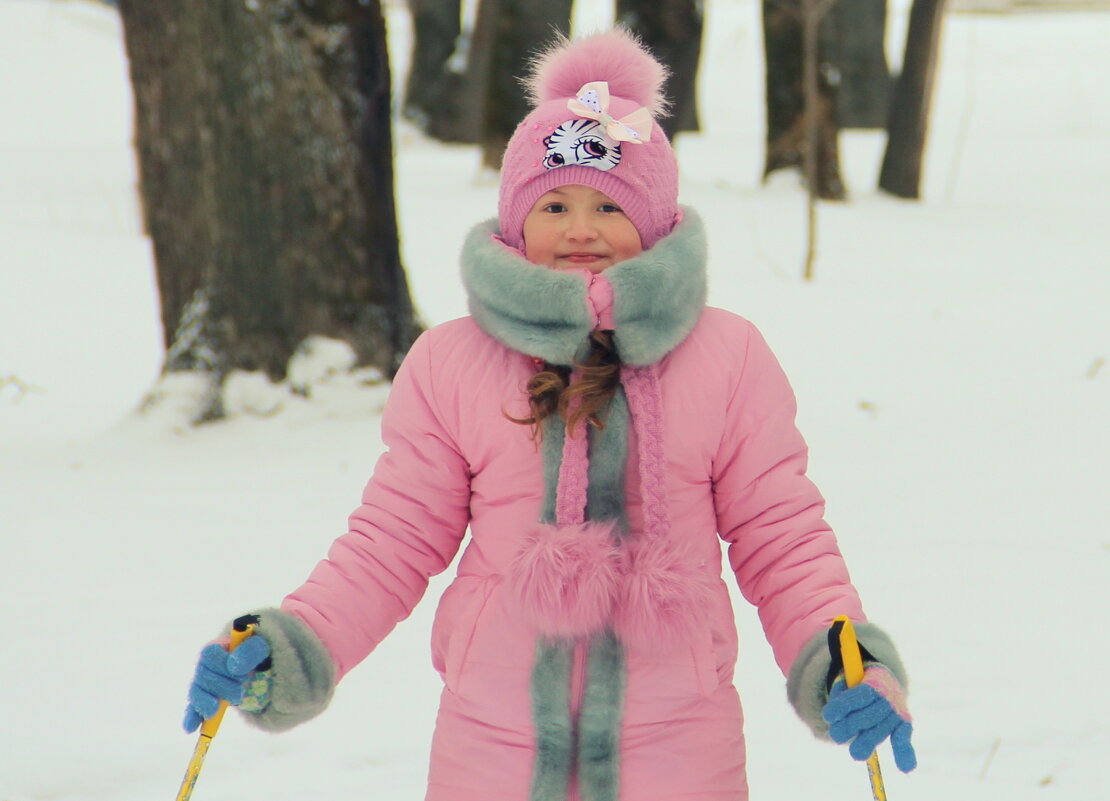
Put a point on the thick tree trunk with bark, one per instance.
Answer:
(913, 93)
(787, 139)
(263, 131)
(673, 31)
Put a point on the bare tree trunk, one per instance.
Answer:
(456, 113)
(810, 91)
(507, 34)
(477, 80)
(913, 93)
(673, 31)
(786, 117)
(813, 13)
(857, 34)
(266, 161)
(437, 26)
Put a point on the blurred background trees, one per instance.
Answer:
(854, 88)
(463, 84)
(673, 31)
(463, 81)
(507, 34)
(853, 82)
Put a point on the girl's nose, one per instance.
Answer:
(581, 228)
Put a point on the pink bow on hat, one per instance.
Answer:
(593, 103)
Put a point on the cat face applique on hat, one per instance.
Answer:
(594, 137)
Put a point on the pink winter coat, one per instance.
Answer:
(735, 470)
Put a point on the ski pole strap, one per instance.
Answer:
(840, 631)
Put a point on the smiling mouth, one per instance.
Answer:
(582, 258)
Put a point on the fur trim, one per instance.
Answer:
(608, 459)
(566, 578)
(303, 677)
(532, 309)
(665, 594)
(616, 56)
(550, 689)
(657, 296)
(805, 686)
(599, 720)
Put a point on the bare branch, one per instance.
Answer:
(22, 388)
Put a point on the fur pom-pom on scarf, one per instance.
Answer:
(567, 578)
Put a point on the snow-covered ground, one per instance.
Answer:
(950, 362)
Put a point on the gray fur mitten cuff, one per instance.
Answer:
(806, 685)
(303, 674)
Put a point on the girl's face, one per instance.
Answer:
(577, 226)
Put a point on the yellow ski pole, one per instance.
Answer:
(850, 658)
(240, 630)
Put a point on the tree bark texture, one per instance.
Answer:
(265, 153)
(437, 26)
(900, 174)
(787, 139)
(673, 31)
(507, 34)
(856, 45)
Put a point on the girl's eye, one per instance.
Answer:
(554, 208)
(610, 208)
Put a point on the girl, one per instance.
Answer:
(596, 427)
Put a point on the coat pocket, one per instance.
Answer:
(705, 664)
(673, 673)
(456, 618)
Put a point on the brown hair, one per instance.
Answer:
(551, 391)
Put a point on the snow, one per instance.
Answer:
(950, 364)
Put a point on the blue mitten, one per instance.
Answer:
(230, 677)
(869, 713)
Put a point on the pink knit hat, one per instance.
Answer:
(593, 123)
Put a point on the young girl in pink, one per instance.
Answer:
(597, 428)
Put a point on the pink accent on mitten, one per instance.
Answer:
(883, 682)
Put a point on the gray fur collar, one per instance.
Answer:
(657, 296)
